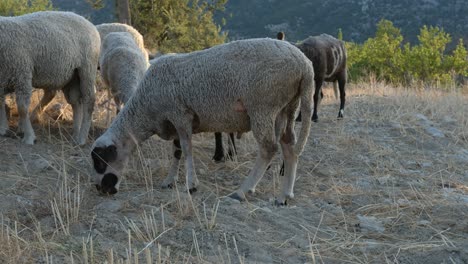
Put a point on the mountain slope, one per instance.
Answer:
(357, 18)
(302, 18)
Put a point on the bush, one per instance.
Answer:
(388, 59)
(20, 7)
(178, 25)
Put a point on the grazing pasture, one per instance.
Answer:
(386, 184)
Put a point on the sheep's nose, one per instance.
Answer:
(108, 183)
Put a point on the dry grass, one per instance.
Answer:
(377, 187)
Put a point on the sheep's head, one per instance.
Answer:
(109, 160)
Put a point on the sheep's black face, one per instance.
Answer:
(108, 183)
(105, 163)
(102, 156)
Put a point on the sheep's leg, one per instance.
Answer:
(290, 167)
(118, 104)
(73, 95)
(45, 101)
(299, 117)
(219, 150)
(232, 150)
(341, 84)
(173, 175)
(77, 108)
(267, 149)
(23, 100)
(335, 89)
(185, 137)
(317, 98)
(87, 91)
(3, 115)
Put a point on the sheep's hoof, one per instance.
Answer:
(28, 141)
(237, 197)
(340, 114)
(281, 204)
(218, 157)
(10, 134)
(315, 119)
(192, 190)
(167, 186)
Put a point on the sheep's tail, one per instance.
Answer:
(306, 93)
(335, 89)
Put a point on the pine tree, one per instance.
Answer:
(178, 25)
(20, 7)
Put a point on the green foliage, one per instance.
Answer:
(340, 34)
(96, 4)
(457, 62)
(426, 60)
(388, 59)
(178, 25)
(20, 7)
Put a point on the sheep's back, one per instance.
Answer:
(107, 28)
(47, 46)
(327, 53)
(263, 74)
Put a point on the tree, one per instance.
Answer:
(123, 12)
(457, 63)
(20, 7)
(380, 55)
(340, 34)
(425, 61)
(178, 25)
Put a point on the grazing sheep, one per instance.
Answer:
(123, 65)
(240, 86)
(219, 154)
(106, 28)
(328, 55)
(51, 50)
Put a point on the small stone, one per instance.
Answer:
(426, 164)
(435, 132)
(424, 222)
(38, 165)
(110, 206)
(371, 223)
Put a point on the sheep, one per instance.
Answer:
(328, 56)
(123, 65)
(106, 28)
(51, 50)
(253, 84)
(219, 154)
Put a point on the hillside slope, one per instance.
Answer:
(357, 18)
(302, 18)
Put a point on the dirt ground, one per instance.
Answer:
(387, 184)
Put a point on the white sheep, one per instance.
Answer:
(49, 50)
(106, 28)
(123, 65)
(235, 87)
(219, 154)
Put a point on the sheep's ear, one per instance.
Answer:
(102, 156)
